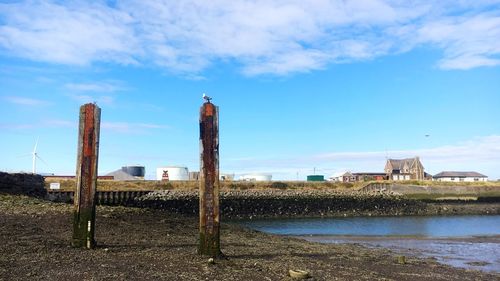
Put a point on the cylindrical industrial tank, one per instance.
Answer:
(256, 177)
(135, 170)
(172, 173)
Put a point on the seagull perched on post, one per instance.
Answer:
(207, 98)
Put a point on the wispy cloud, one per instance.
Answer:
(26, 101)
(131, 128)
(99, 99)
(101, 92)
(261, 36)
(100, 87)
(468, 155)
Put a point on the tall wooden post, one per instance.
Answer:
(209, 181)
(86, 176)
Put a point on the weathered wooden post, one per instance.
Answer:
(86, 176)
(209, 180)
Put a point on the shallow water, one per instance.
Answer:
(462, 241)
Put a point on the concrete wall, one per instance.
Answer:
(28, 184)
(415, 189)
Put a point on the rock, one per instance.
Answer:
(401, 259)
(298, 274)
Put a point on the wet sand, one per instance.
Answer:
(480, 253)
(143, 244)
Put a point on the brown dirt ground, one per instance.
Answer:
(141, 244)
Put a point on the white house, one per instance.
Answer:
(453, 176)
(343, 177)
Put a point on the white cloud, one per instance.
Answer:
(468, 42)
(26, 101)
(77, 33)
(261, 36)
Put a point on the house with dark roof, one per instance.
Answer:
(404, 169)
(454, 176)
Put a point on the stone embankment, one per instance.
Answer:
(275, 203)
(22, 183)
(290, 203)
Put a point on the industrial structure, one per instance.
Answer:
(172, 173)
(129, 173)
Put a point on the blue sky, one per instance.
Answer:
(331, 85)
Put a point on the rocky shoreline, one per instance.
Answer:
(309, 203)
(146, 244)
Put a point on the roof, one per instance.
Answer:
(398, 164)
(369, 174)
(121, 175)
(455, 174)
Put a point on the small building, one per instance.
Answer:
(194, 176)
(256, 177)
(343, 177)
(404, 169)
(370, 176)
(226, 177)
(454, 176)
(66, 177)
(315, 178)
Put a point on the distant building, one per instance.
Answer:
(256, 177)
(354, 177)
(64, 177)
(370, 176)
(343, 177)
(226, 177)
(404, 169)
(315, 178)
(194, 176)
(453, 176)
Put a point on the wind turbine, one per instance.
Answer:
(34, 154)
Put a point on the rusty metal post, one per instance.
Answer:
(209, 181)
(86, 176)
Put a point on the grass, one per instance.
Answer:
(438, 196)
(445, 183)
(110, 185)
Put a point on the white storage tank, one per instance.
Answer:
(172, 173)
(256, 177)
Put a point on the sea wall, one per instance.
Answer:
(289, 203)
(253, 204)
(21, 183)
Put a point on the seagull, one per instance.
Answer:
(207, 98)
